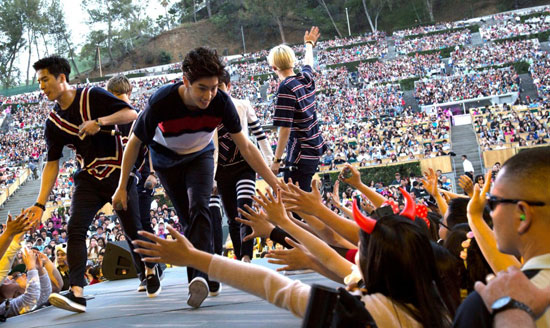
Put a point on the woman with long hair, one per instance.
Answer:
(404, 288)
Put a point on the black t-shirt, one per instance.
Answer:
(99, 155)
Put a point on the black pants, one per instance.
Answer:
(89, 197)
(303, 175)
(216, 217)
(237, 185)
(189, 186)
(145, 197)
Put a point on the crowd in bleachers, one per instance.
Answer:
(443, 26)
(500, 127)
(402, 67)
(494, 54)
(433, 42)
(440, 90)
(510, 29)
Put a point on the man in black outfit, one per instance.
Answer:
(82, 119)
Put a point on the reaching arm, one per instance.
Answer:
(49, 177)
(120, 197)
(123, 116)
(484, 236)
(260, 136)
(310, 39)
(355, 181)
(253, 157)
(324, 232)
(284, 135)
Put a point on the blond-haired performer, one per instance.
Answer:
(295, 113)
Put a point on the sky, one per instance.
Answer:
(76, 22)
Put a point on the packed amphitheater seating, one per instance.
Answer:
(366, 116)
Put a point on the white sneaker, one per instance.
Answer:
(198, 291)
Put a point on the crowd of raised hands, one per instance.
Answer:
(406, 229)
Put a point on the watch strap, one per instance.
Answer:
(514, 304)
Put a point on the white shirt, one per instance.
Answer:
(468, 167)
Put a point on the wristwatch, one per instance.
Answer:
(507, 303)
(278, 160)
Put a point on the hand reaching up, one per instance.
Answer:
(297, 200)
(350, 175)
(466, 184)
(273, 206)
(476, 205)
(257, 220)
(312, 35)
(21, 224)
(176, 252)
(296, 258)
(430, 182)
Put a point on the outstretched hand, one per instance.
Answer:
(176, 252)
(466, 184)
(257, 220)
(312, 35)
(297, 200)
(273, 206)
(476, 205)
(296, 258)
(21, 224)
(354, 179)
(430, 182)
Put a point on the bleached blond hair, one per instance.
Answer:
(282, 57)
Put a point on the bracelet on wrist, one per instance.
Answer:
(152, 173)
(310, 42)
(41, 206)
(97, 122)
(278, 160)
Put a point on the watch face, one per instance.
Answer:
(501, 302)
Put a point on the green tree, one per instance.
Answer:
(279, 11)
(12, 40)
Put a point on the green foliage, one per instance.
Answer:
(521, 67)
(352, 66)
(381, 173)
(444, 52)
(164, 57)
(527, 17)
(408, 84)
(351, 45)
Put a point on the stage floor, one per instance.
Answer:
(118, 304)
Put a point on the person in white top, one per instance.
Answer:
(468, 167)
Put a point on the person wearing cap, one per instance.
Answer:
(62, 265)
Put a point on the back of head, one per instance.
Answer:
(55, 65)
(282, 57)
(457, 212)
(202, 62)
(397, 261)
(119, 85)
(225, 78)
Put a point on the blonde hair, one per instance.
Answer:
(119, 84)
(282, 57)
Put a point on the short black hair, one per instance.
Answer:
(202, 62)
(225, 78)
(530, 165)
(55, 65)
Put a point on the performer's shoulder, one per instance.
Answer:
(164, 93)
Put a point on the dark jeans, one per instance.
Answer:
(189, 185)
(302, 175)
(89, 197)
(237, 185)
(145, 197)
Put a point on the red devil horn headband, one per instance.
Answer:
(410, 206)
(366, 223)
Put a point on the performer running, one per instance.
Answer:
(178, 125)
(295, 113)
(82, 119)
(236, 179)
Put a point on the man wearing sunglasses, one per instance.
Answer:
(520, 208)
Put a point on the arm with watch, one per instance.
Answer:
(513, 299)
(123, 116)
(284, 135)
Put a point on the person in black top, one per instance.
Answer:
(83, 119)
(121, 88)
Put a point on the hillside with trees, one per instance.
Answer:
(125, 37)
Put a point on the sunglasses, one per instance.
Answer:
(493, 201)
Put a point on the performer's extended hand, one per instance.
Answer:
(120, 199)
(88, 128)
(257, 220)
(312, 35)
(34, 213)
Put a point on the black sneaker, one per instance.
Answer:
(143, 284)
(68, 302)
(198, 291)
(215, 288)
(152, 283)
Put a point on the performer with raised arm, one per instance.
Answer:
(295, 113)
